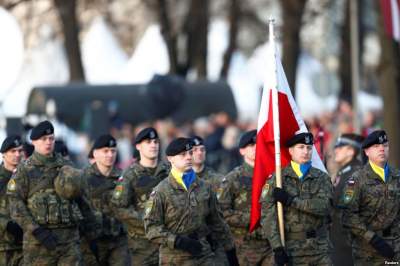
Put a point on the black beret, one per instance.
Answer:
(247, 138)
(61, 148)
(11, 142)
(197, 141)
(104, 141)
(301, 138)
(179, 145)
(376, 137)
(42, 129)
(350, 139)
(146, 133)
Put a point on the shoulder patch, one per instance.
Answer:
(265, 190)
(348, 195)
(12, 185)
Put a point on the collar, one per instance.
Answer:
(301, 170)
(247, 170)
(4, 173)
(383, 173)
(181, 180)
(114, 174)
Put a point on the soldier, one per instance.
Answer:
(307, 200)
(183, 211)
(11, 236)
(371, 205)
(208, 175)
(133, 191)
(100, 179)
(49, 220)
(234, 195)
(347, 148)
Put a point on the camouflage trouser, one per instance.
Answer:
(253, 252)
(143, 252)
(220, 257)
(113, 251)
(311, 260)
(11, 257)
(67, 254)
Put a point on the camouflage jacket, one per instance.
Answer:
(343, 176)
(7, 241)
(305, 216)
(234, 196)
(371, 206)
(172, 211)
(210, 176)
(99, 189)
(132, 192)
(34, 202)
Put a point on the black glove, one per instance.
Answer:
(282, 196)
(187, 244)
(95, 249)
(45, 237)
(232, 258)
(383, 248)
(281, 258)
(16, 230)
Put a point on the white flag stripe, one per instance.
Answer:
(395, 19)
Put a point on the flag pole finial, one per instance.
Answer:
(271, 23)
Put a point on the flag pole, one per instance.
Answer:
(275, 113)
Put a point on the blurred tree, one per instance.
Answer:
(345, 92)
(292, 21)
(234, 21)
(389, 80)
(70, 25)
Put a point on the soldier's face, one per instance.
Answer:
(199, 154)
(249, 153)
(183, 161)
(344, 154)
(149, 148)
(13, 156)
(44, 145)
(378, 153)
(105, 156)
(301, 153)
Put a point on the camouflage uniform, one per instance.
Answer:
(306, 229)
(172, 211)
(340, 237)
(210, 176)
(129, 200)
(34, 203)
(10, 247)
(112, 241)
(234, 196)
(371, 207)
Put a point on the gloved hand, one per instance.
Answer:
(187, 244)
(16, 230)
(45, 237)
(282, 196)
(232, 258)
(383, 248)
(281, 258)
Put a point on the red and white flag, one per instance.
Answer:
(391, 17)
(290, 122)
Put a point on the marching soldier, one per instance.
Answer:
(234, 196)
(134, 189)
(49, 219)
(347, 148)
(11, 236)
(202, 171)
(100, 179)
(182, 214)
(307, 200)
(371, 205)
(208, 175)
